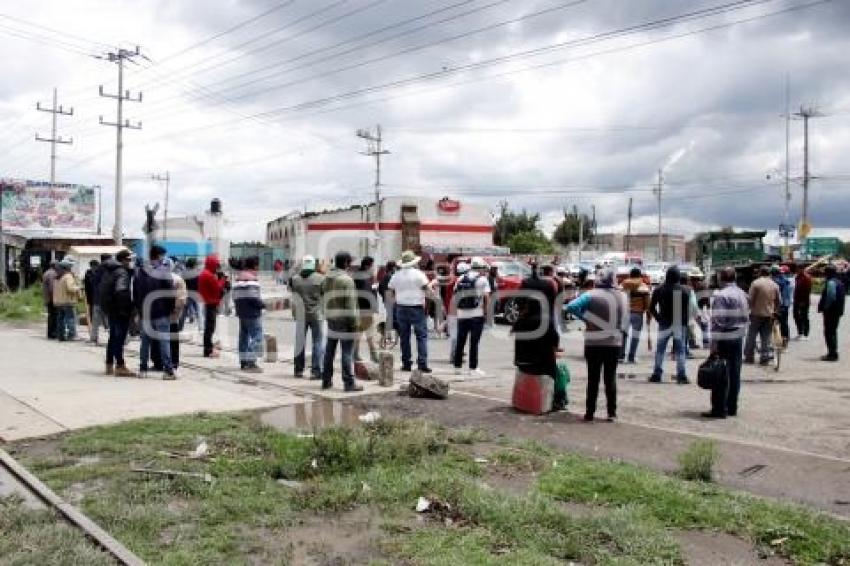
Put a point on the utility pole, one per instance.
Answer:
(657, 192)
(119, 57)
(629, 227)
(593, 226)
(787, 160)
(167, 180)
(374, 148)
(54, 139)
(805, 227)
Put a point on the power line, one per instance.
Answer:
(431, 76)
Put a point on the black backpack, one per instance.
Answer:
(465, 290)
(105, 290)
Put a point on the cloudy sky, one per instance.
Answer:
(546, 103)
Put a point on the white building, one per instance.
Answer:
(384, 231)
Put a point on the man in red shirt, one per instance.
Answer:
(802, 301)
(212, 284)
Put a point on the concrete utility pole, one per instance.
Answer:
(167, 180)
(119, 57)
(787, 159)
(629, 227)
(805, 227)
(54, 139)
(657, 192)
(374, 148)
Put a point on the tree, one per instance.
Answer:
(512, 223)
(530, 242)
(567, 231)
(845, 250)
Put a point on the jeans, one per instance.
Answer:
(412, 319)
(118, 328)
(210, 314)
(472, 327)
(761, 326)
(680, 340)
(601, 363)
(316, 328)
(724, 397)
(347, 349)
(801, 319)
(250, 339)
(173, 347)
(52, 321)
(782, 315)
(66, 322)
(192, 312)
(636, 324)
(98, 319)
(162, 327)
(830, 334)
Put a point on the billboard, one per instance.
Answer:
(39, 206)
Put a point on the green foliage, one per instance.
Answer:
(23, 305)
(510, 223)
(806, 537)
(698, 461)
(245, 513)
(534, 242)
(31, 536)
(567, 232)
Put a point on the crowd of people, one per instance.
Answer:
(340, 309)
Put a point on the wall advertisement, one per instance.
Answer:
(40, 206)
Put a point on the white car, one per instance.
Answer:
(656, 272)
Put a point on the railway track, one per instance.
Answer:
(67, 512)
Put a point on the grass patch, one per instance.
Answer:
(25, 305)
(802, 535)
(31, 536)
(244, 515)
(698, 461)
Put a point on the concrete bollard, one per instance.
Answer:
(270, 348)
(385, 368)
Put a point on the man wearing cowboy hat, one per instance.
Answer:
(409, 287)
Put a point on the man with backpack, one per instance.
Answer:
(831, 306)
(154, 299)
(472, 296)
(116, 303)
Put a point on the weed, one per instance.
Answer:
(22, 305)
(698, 461)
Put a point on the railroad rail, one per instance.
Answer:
(69, 513)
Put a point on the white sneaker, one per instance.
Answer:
(477, 372)
(458, 371)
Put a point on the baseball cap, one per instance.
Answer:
(308, 262)
(462, 268)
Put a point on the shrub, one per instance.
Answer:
(697, 462)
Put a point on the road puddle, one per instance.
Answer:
(314, 415)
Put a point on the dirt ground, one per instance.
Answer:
(803, 478)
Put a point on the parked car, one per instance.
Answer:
(656, 272)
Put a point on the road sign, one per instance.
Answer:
(786, 230)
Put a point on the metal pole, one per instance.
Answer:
(118, 228)
(99, 209)
(805, 212)
(629, 227)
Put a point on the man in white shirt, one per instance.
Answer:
(472, 297)
(409, 288)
